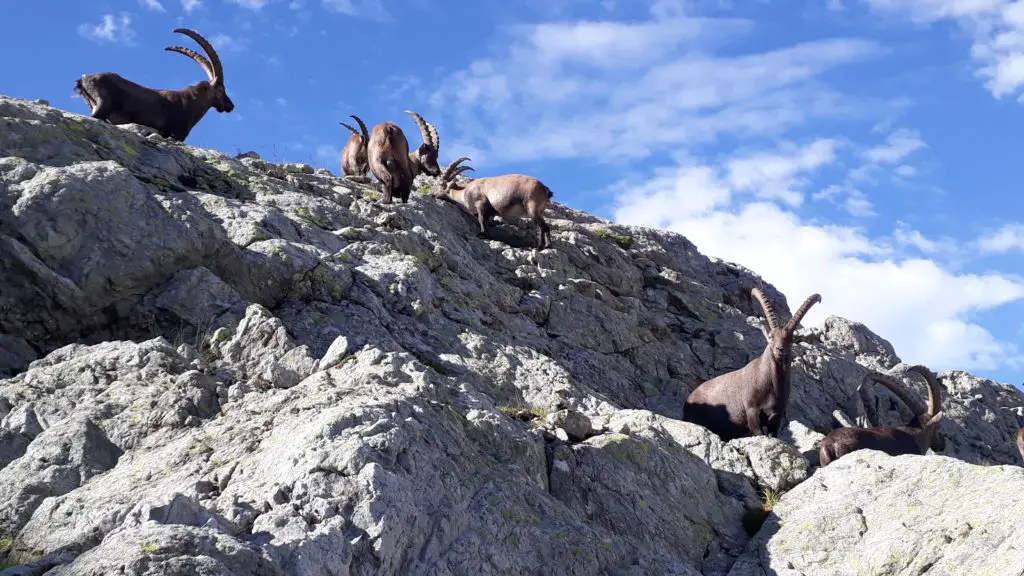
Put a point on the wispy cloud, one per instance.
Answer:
(996, 27)
(1007, 239)
(250, 4)
(371, 9)
(225, 43)
(190, 5)
(153, 5)
(623, 90)
(898, 145)
(916, 303)
(111, 29)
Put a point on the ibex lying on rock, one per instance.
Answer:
(751, 400)
(353, 155)
(172, 113)
(914, 438)
(510, 195)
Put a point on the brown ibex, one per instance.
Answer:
(751, 400)
(508, 195)
(424, 158)
(388, 156)
(914, 438)
(172, 113)
(353, 157)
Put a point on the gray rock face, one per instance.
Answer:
(221, 365)
(869, 513)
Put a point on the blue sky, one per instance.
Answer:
(868, 150)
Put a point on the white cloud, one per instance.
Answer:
(225, 43)
(250, 4)
(997, 29)
(373, 9)
(153, 5)
(624, 90)
(111, 29)
(922, 308)
(1006, 239)
(190, 5)
(899, 144)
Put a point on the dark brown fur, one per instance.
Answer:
(914, 438)
(353, 156)
(752, 400)
(508, 195)
(172, 113)
(388, 156)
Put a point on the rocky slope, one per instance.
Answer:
(220, 365)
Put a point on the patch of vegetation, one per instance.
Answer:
(151, 548)
(372, 195)
(523, 413)
(310, 218)
(753, 518)
(424, 189)
(622, 240)
(341, 363)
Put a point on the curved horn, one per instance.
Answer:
(450, 172)
(424, 131)
(218, 69)
(934, 393)
(462, 169)
(362, 126)
(802, 311)
(351, 129)
(433, 136)
(769, 310)
(199, 58)
(897, 389)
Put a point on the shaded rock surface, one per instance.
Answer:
(224, 365)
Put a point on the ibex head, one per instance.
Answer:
(780, 338)
(427, 152)
(213, 91)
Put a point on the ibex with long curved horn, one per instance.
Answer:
(424, 158)
(172, 113)
(392, 163)
(915, 438)
(353, 157)
(510, 195)
(751, 400)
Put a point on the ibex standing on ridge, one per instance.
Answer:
(510, 195)
(914, 438)
(392, 163)
(172, 113)
(751, 400)
(353, 157)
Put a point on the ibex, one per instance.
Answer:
(172, 113)
(1020, 442)
(353, 157)
(388, 156)
(509, 195)
(392, 163)
(914, 438)
(424, 159)
(751, 400)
